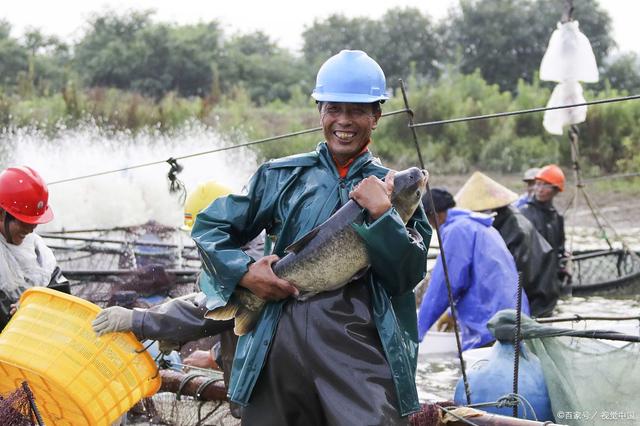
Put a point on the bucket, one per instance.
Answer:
(76, 377)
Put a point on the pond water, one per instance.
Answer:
(437, 376)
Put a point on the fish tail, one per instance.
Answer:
(244, 306)
(246, 320)
(223, 313)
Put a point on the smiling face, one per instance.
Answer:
(347, 127)
(17, 230)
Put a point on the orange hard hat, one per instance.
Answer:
(24, 195)
(552, 174)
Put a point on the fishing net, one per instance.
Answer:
(597, 266)
(589, 381)
(19, 409)
(430, 414)
(188, 411)
(137, 266)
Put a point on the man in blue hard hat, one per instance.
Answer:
(342, 357)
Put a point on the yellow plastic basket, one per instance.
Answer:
(76, 377)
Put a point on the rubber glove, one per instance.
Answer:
(113, 319)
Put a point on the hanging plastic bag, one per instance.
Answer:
(569, 56)
(565, 93)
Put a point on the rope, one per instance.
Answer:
(32, 403)
(516, 342)
(462, 419)
(185, 380)
(202, 419)
(454, 316)
(204, 385)
(525, 111)
(211, 151)
(316, 129)
(509, 400)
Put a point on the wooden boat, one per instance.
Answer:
(605, 273)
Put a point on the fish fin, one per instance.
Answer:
(304, 296)
(246, 320)
(361, 273)
(302, 242)
(225, 312)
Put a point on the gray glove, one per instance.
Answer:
(113, 319)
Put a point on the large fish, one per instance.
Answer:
(326, 258)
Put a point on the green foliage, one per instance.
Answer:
(623, 73)
(506, 39)
(129, 72)
(130, 52)
(400, 40)
(13, 57)
(265, 71)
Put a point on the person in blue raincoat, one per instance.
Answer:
(482, 272)
(341, 357)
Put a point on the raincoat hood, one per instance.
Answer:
(481, 218)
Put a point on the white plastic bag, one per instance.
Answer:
(569, 56)
(565, 93)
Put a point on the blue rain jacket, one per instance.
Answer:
(483, 276)
(521, 201)
(288, 197)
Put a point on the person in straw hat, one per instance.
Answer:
(532, 253)
(482, 272)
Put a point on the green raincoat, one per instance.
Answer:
(288, 197)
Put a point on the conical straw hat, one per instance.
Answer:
(481, 193)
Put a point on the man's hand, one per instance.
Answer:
(113, 319)
(201, 359)
(374, 195)
(445, 323)
(264, 283)
(14, 307)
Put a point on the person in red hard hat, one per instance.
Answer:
(25, 260)
(550, 181)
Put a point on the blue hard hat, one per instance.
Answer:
(350, 76)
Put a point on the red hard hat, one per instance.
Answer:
(24, 195)
(552, 174)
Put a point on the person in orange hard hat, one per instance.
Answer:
(550, 181)
(25, 260)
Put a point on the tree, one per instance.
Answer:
(13, 57)
(506, 39)
(402, 41)
(131, 52)
(622, 73)
(408, 42)
(265, 71)
(324, 39)
(49, 60)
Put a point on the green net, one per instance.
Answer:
(590, 381)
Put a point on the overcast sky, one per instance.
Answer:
(283, 20)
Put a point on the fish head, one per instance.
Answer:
(409, 186)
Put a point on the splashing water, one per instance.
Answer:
(130, 197)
